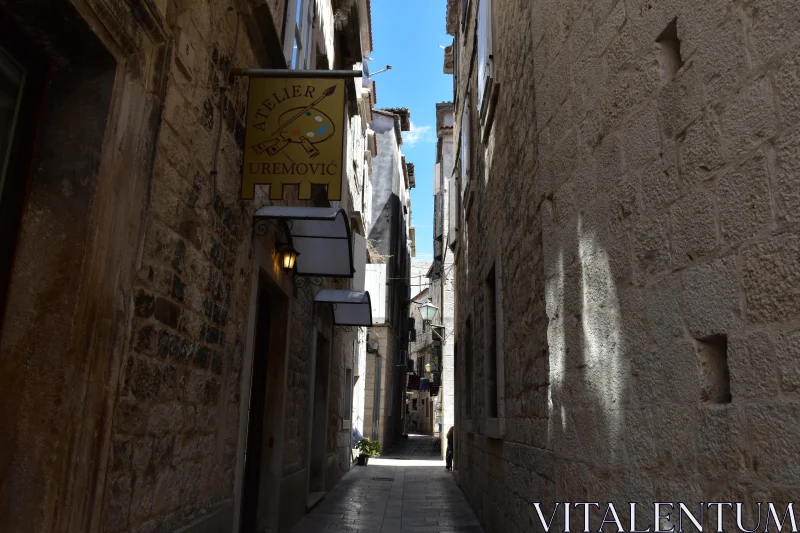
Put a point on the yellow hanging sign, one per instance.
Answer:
(295, 136)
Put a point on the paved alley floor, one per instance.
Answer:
(407, 490)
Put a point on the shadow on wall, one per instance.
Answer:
(609, 431)
(587, 373)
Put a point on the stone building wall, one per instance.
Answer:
(444, 288)
(155, 297)
(645, 225)
(389, 412)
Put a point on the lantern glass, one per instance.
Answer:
(288, 257)
(428, 367)
(428, 311)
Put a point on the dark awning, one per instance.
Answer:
(321, 236)
(350, 308)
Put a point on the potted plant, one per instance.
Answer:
(367, 448)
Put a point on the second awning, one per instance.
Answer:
(350, 308)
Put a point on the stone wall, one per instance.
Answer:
(443, 289)
(136, 349)
(389, 410)
(645, 224)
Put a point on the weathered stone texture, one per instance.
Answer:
(176, 424)
(643, 219)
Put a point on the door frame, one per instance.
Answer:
(323, 326)
(265, 274)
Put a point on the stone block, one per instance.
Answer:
(609, 26)
(700, 150)
(680, 370)
(165, 419)
(186, 448)
(771, 280)
(774, 441)
(723, 443)
(774, 23)
(178, 112)
(753, 367)
(659, 180)
(678, 429)
(722, 60)
(121, 450)
(694, 226)
(710, 298)
(663, 310)
(172, 146)
(142, 453)
(651, 246)
(641, 141)
(680, 101)
(648, 20)
(143, 304)
(130, 418)
(166, 491)
(787, 83)
(640, 438)
(620, 54)
(582, 31)
(697, 20)
(787, 176)
(118, 500)
(555, 86)
(144, 338)
(749, 117)
(144, 379)
(744, 201)
(787, 358)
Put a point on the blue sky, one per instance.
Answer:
(407, 35)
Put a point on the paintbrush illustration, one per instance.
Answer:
(278, 141)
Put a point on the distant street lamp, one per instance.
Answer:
(428, 368)
(428, 311)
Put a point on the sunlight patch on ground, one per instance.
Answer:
(378, 461)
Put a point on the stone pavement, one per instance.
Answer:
(407, 490)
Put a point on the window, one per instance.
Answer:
(453, 214)
(485, 57)
(348, 396)
(302, 35)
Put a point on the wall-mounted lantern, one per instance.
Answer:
(428, 311)
(288, 257)
(428, 368)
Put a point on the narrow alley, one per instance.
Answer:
(407, 490)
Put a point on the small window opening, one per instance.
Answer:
(716, 381)
(669, 51)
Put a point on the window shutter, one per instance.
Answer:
(453, 213)
(438, 210)
(466, 147)
(484, 49)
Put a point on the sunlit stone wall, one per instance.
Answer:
(639, 188)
